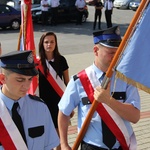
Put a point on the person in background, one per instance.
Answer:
(26, 122)
(98, 13)
(18, 6)
(0, 55)
(80, 5)
(119, 102)
(108, 4)
(54, 7)
(44, 8)
(52, 63)
(0, 49)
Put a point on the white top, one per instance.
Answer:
(108, 4)
(80, 3)
(44, 5)
(54, 3)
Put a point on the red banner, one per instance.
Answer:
(26, 39)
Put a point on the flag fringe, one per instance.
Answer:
(132, 82)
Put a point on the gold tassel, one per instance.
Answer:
(132, 82)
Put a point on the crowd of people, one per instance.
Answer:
(80, 6)
(29, 122)
(41, 122)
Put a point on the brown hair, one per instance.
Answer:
(42, 54)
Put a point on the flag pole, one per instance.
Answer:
(110, 70)
(25, 23)
(19, 40)
(26, 38)
(127, 35)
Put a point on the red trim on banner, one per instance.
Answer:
(52, 82)
(5, 138)
(102, 111)
(26, 38)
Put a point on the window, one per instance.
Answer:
(36, 1)
(4, 9)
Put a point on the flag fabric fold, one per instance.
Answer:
(134, 65)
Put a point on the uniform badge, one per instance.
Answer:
(117, 31)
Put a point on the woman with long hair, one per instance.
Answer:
(53, 73)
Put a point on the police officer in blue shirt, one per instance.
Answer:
(122, 103)
(25, 121)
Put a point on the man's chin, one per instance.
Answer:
(22, 94)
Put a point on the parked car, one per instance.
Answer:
(66, 12)
(14, 3)
(134, 4)
(9, 17)
(17, 3)
(122, 4)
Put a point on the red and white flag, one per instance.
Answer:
(26, 38)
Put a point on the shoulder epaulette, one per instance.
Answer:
(75, 77)
(36, 98)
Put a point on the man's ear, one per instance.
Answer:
(2, 78)
(95, 49)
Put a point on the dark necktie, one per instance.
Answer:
(108, 137)
(18, 121)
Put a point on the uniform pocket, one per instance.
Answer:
(36, 131)
(85, 101)
(119, 95)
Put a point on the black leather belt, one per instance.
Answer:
(84, 146)
(0, 144)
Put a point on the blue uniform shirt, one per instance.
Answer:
(74, 95)
(34, 113)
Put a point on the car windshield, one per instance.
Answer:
(4, 9)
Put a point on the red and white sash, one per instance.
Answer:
(10, 137)
(111, 118)
(54, 79)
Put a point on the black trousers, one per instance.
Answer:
(108, 14)
(44, 17)
(86, 146)
(79, 16)
(97, 16)
(54, 15)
